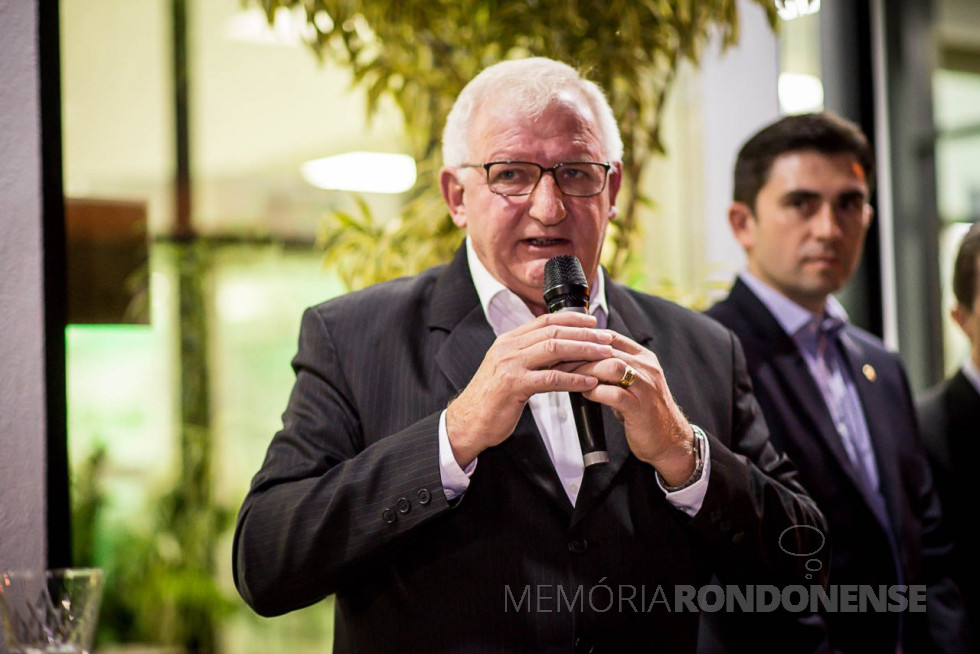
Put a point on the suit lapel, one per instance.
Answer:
(875, 398)
(964, 408)
(526, 448)
(962, 402)
(799, 380)
(456, 309)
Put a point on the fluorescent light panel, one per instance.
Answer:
(366, 172)
(289, 26)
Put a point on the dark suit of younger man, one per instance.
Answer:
(949, 416)
(903, 545)
(349, 500)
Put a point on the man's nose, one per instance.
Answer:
(547, 206)
(825, 224)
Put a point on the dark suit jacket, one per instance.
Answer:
(864, 551)
(349, 498)
(949, 416)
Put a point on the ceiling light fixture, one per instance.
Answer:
(790, 9)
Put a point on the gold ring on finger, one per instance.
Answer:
(629, 377)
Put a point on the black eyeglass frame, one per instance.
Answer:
(553, 169)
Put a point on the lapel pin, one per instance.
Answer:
(869, 372)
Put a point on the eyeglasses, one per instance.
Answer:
(575, 178)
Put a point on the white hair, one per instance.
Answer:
(530, 86)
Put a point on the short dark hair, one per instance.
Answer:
(965, 268)
(824, 132)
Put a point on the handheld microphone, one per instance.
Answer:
(566, 289)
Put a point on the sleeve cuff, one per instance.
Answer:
(455, 480)
(689, 498)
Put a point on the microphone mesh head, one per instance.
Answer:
(564, 270)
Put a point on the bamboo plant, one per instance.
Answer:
(421, 53)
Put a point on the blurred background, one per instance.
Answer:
(203, 216)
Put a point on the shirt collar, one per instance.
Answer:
(495, 298)
(791, 316)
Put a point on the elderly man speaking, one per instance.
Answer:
(428, 471)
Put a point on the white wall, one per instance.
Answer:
(738, 97)
(22, 413)
(713, 108)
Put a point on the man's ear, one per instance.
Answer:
(452, 193)
(869, 215)
(743, 224)
(613, 185)
(961, 316)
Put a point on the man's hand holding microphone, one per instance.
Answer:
(562, 351)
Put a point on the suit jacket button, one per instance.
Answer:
(389, 516)
(583, 646)
(423, 496)
(578, 545)
(403, 505)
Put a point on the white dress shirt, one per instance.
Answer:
(552, 411)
